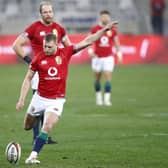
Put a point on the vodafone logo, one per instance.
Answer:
(104, 41)
(52, 71)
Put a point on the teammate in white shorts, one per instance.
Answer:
(103, 58)
(52, 67)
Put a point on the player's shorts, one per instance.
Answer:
(39, 105)
(103, 64)
(35, 81)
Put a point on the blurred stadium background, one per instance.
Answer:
(139, 43)
(78, 15)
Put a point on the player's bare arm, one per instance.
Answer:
(66, 41)
(18, 47)
(93, 37)
(24, 89)
(118, 49)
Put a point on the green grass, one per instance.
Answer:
(133, 133)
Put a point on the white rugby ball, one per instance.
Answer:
(13, 152)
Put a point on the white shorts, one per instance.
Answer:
(39, 104)
(35, 81)
(103, 64)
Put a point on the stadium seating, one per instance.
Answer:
(78, 16)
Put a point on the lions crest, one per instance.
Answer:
(58, 60)
(55, 32)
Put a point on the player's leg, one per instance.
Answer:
(52, 113)
(49, 140)
(34, 85)
(160, 25)
(155, 24)
(36, 128)
(107, 88)
(32, 113)
(29, 121)
(50, 120)
(108, 67)
(96, 67)
(97, 87)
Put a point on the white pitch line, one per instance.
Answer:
(145, 135)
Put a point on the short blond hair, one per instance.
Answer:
(42, 3)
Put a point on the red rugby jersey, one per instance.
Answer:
(103, 46)
(157, 7)
(37, 30)
(52, 72)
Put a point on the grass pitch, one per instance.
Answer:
(133, 133)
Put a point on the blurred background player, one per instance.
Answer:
(157, 15)
(35, 33)
(103, 58)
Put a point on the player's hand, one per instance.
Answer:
(19, 105)
(110, 25)
(120, 57)
(91, 53)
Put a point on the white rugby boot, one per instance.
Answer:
(32, 159)
(99, 100)
(107, 101)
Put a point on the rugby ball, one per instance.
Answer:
(13, 152)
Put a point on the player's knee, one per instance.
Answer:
(27, 127)
(29, 122)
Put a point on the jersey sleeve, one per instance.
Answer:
(29, 31)
(115, 33)
(69, 51)
(34, 64)
(63, 34)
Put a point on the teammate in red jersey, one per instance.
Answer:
(52, 66)
(103, 58)
(35, 34)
